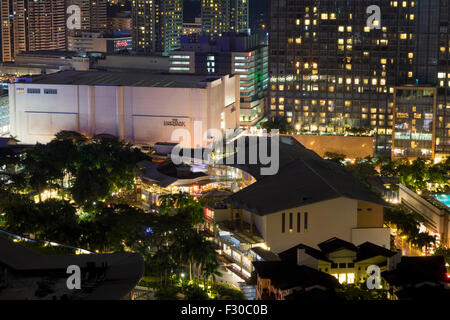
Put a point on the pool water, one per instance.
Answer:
(444, 198)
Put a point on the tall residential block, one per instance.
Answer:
(157, 25)
(334, 67)
(220, 16)
(13, 28)
(93, 14)
(46, 25)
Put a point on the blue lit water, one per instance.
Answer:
(444, 198)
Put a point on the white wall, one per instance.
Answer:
(327, 219)
(134, 113)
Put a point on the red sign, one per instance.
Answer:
(121, 44)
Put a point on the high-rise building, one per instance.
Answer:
(157, 25)
(236, 54)
(13, 28)
(334, 65)
(46, 25)
(120, 21)
(6, 31)
(239, 20)
(220, 16)
(93, 14)
(215, 17)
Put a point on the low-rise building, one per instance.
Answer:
(28, 275)
(419, 278)
(436, 215)
(141, 108)
(342, 259)
(283, 280)
(308, 201)
(100, 42)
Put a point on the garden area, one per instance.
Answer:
(79, 191)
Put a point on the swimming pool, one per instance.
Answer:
(444, 198)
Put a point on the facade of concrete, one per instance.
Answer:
(140, 113)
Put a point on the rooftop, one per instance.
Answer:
(109, 276)
(303, 178)
(129, 79)
(286, 275)
(364, 251)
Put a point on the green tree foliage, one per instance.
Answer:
(445, 252)
(338, 158)
(354, 292)
(278, 124)
(85, 172)
(409, 225)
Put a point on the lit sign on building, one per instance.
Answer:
(121, 44)
(174, 123)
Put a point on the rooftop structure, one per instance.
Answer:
(28, 275)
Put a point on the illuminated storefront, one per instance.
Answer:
(413, 132)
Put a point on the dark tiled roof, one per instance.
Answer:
(303, 178)
(415, 270)
(124, 269)
(335, 244)
(265, 255)
(291, 254)
(287, 275)
(369, 250)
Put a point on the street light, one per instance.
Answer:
(182, 275)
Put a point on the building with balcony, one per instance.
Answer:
(237, 54)
(329, 69)
(316, 200)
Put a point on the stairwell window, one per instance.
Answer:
(305, 223)
(290, 222)
(283, 222)
(298, 221)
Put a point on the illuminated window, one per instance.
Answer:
(350, 278)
